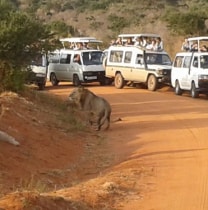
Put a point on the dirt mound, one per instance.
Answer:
(53, 153)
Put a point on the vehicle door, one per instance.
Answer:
(128, 69)
(193, 72)
(64, 73)
(139, 73)
(115, 64)
(76, 66)
(186, 72)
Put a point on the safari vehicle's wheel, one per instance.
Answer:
(76, 81)
(194, 92)
(119, 81)
(178, 90)
(152, 83)
(54, 80)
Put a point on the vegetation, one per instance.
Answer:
(189, 22)
(21, 36)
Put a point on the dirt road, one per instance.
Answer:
(165, 137)
(156, 158)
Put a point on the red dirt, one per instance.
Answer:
(154, 159)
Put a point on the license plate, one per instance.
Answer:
(40, 75)
(92, 77)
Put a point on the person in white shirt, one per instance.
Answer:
(186, 45)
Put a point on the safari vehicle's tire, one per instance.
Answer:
(76, 81)
(119, 81)
(194, 92)
(178, 90)
(54, 80)
(152, 83)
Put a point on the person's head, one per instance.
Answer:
(154, 41)
(85, 45)
(129, 41)
(80, 45)
(158, 39)
(119, 41)
(186, 40)
(204, 48)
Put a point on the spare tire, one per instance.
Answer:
(104, 62)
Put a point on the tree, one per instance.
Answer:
(21, 36)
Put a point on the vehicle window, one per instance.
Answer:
(38, 60)
(139, 59)
(92, 58)
(204, 61)
(53, 58)
(65, 58)
(195, 62)
(187, 61)
(127, 58)
(178, 61)
(165, 59)
(77, 59)
(154, 58)
(116, 56)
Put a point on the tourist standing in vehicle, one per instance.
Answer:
(185, 45)
(139, 42)
(113, 42)
(129, 41)
(159, 44)
(153, 46)
(119, 41)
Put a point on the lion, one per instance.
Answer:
(98, 108)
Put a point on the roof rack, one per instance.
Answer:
(81, 40)
(200, 40)
(135, 36)
(74, 41)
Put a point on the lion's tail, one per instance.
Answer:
(7, 138)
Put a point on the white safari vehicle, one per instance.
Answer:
(77, 64)
(134, 64)
(190, 69)
(38, 70)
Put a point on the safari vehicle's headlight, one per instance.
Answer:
(201, 76)
(160, 71)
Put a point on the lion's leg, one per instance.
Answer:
(93, 120)
(108, 123)
(97, 122)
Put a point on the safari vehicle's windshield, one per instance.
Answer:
(92, 58)
(159, 59)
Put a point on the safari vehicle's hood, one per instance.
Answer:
(158, 67)
(93, 68)
(39, 69)
(201, 71)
